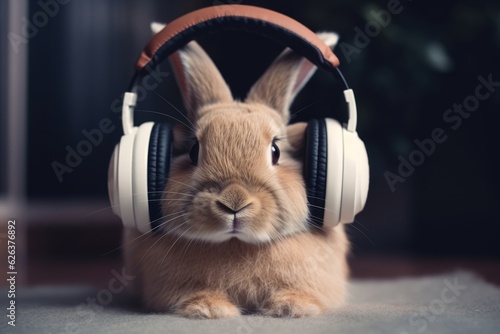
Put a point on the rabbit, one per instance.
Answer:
(236, 235)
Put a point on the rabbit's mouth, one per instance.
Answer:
(217, 225)
(236, 226)
(240, 225)
(235, 211)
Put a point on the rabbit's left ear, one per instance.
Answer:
(286, 76)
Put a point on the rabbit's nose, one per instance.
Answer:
(233, 199)
(230, 210)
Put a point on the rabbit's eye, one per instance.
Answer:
(275, 153)
(193, 153)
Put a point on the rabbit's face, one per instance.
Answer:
(241, 177)
(238, 180)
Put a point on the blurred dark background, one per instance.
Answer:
(406, 73)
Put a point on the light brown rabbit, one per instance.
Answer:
(236, 235)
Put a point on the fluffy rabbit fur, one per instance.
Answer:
(236, 235)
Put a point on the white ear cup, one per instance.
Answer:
(347, 175)
(113, 181)
(128, 178)
(124, 176)
(140, 177)
(334, 173)
(356, 177)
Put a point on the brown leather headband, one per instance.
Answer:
(242, 17)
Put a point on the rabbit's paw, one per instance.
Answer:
(294, 304)
(207, 305)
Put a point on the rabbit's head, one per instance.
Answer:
(237, 171)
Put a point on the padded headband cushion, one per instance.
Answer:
(159, 157)
(243, 18)
(315, 168)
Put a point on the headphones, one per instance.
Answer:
(336, 171)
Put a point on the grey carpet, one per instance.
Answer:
(396, 306)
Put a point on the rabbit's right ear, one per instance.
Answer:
(199, 80)
(156, 27)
